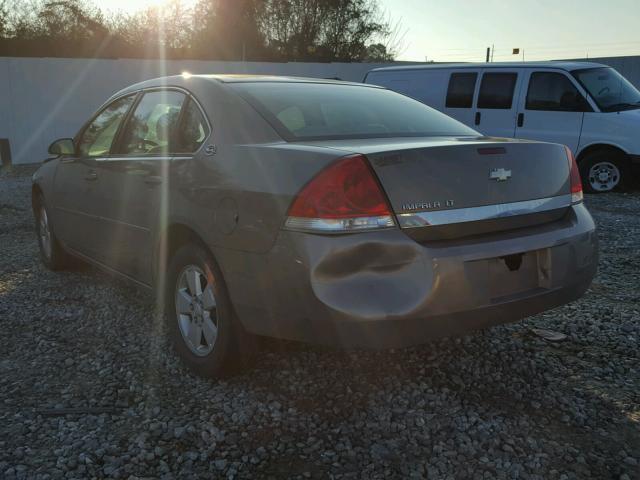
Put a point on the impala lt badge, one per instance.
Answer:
(427, 205)
(500, 174)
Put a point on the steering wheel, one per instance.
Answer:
(604, 90)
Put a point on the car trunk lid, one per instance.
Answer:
(446, 188)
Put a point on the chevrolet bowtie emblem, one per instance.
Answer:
(499, 174)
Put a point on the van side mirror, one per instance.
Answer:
(63, 146)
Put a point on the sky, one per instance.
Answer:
(461, 30)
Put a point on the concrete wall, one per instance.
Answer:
(42, 99)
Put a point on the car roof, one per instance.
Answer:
(244, 78)
(562, 65)
(179, 80)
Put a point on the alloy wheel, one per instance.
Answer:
(196, 310)
(44, 233)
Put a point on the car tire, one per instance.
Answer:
(604, 171)
(52, 254)
(197, 309)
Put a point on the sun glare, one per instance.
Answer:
(131, 6)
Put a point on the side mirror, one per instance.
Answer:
(63, 146)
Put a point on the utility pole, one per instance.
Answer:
(488, 53)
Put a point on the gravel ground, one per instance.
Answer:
(498, 404)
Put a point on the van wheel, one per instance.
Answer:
(604, 171)
(53, 256)
(199, 315)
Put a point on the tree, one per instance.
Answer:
(228, 30)
(316, 30)
(4, 18)
(156, 28)
(377, 52)
(321, 29)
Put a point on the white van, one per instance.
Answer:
(587, 106)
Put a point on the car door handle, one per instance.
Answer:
(520, 119)
(478, 117)
(153, 180)
(91, 177)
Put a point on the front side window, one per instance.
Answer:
(496, 90)
(610, 90)
(97, 138)
(152, 127)
(305, 111)
(551, 91)
(460, 91)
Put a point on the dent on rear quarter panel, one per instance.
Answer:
(368, 275)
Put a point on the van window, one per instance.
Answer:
(496, 90)
(610, 90)
(553, 92)
(460, 91)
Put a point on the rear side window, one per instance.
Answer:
(305, 111)
(460, 91)
(553, 92)
(496, 90)
(193, 129)
(153, 124)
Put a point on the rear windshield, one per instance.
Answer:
(319, 111)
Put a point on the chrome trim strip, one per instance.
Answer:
(106, 268)
(124, 158)
(344, 225)
(485, 212)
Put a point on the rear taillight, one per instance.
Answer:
(574, 175)
(343, 197)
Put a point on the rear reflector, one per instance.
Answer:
(345, 196)
(574, 175)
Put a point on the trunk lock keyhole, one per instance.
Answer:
(513, 262)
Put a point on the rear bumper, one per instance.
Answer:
(403, 332)
(383, 289)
